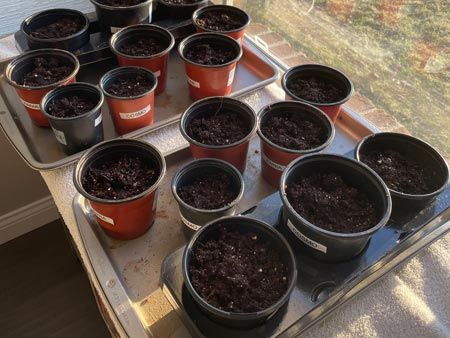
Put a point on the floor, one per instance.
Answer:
(44, 291)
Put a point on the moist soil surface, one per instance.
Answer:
(127, 86)
(238, 272)
(398, 172)
(325, 200)
(218, 128)
(208, 192)
(46, 71)
(61, 28)
(142, 46)
(121, 3)
(316, 90)
(220, 21)
(294, 131)
(209, 54)
(119, 177)
(181, 2)
(70, 106)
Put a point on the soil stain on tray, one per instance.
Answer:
(220, 21)
(142, 46)
(46, 71)
(61, 28)
(210, 54)
(70, 106)
(317, 90)
(127, 86)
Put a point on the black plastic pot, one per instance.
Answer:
(418, 150)
(195, 218)
(79, 132)
(242, 224)
(320, 243)
(112, 19)
(180, 11)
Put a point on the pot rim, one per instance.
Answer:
(140, 28)
(184, 42)
(243, 315)
(318, 66)
(204, 162)
(191, 109)
(99, 147)
(267, 110)
(202, 10)
(41, 52)
(168, 4)
(397, 193)
(111, 8)
(382, 222)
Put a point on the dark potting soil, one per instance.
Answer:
(218, 128)
(326, 201)
(208, 192)
(59, 29)
(294, 131)
(70, 106)
(47, 70)
(182, 2)
(238, 272)
(316, 90)
(119, 177)
(399, 172)
(127, 86)
(121, 3)
(220, 21)
(209, 54)
(142, 46)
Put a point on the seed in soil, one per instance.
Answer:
(238, 272)
(220, 21)
(61, 28)
(46, 71)
(327, 201)
(119, 177)
(121, 3)
(210, 54)
(142, 46)
(127, 86)
(70, 106)
(218, 128)
(294, 131)
(317, 90)
(213, 191)
(399, 172)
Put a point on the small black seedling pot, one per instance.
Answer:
(320, 243)
(180, 11)
(420, 152)
(79, 132)
(243, 225)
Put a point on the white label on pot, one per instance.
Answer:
(60, 136)
(306, 240)
(150, 12)
(115, 29)
(30, 105)
(98, 120)
(193, 83)
(272, 164)
(158, 73)
(231, 77)
(103, 218)
(136, 114)
(189, 224)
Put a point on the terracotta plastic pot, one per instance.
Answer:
(209, 80)
(323, 72)
(134, 112)
(237, 34)
(235, 153)
(31, 96)
(131, 217)
(156, 63)
(275, 158)
(180, 11)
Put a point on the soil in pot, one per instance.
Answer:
(70, 106)
(238, 272)
(208, 192)
(327, 201)
(181, 2)
(210, 54)
(46, 71)
(142, 46)
(61, 28)
(127, 86)
(293, 131)
(315, 89)
(220, 21)
(119, 177)
(121, 3)
(399, 172)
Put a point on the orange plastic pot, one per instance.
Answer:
(156, 63)
(235, 153)
(338, 78)
(31, 96)
(131, 217)
(134, 112)
(209, 80)
(275, 158)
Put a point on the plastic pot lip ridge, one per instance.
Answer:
(244, 315)
(386, 195)
(141, 28)
(300, 105)
(319, 67)
(205, 9)
(80, 169)
(393, 192)
(75, 85)
(213, 99)
(36, 53)
(207, 162)
(123, 70)
(142, 4)
(216, 36)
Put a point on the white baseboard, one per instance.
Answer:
(27, 218)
